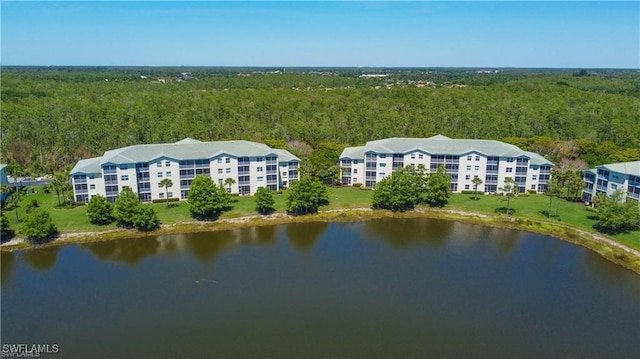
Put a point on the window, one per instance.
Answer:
(161, 195)
(383, 165)
(169, 174)
(355, 162)
(382, 155)
(534, 177)
(124, 167)
(260, 178)
(413, 156)
(92, 186)
(227, 160)
(509, 159)
(533, 187)
(468, 167)
(91, 176)
(284, 174)
(509, 169)
(476, 168)
(477, 158)
(220, 160)
(159, 174)
(167, 163)
(124, 177)
(220, 180)
(159, 163)
(228, 170)
(382, 174)
(355, 171)
(467, 177)
(260, 159)
(259, 169)
(169, 194)
(469, 158)
(614, 186)
(466, 186)
(219, 170)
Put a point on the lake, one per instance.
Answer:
(383, 288)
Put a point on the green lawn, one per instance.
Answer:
(532, 207)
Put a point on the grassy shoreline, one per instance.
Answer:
(350, 205)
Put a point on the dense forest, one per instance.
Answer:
(53, 116)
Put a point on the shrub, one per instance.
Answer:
(99, 210)
(38, 226)
(532, 191)
(164, 200)
(357, 185)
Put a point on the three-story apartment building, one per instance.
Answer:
(141, 167)
(492, 161)
(607, 179)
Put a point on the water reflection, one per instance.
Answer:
(207, 246)
(7, 263)
(303, 236)
(42, 259)
(129, 251)
(405, 232)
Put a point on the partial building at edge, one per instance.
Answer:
(141, 167)
(609, 178)
(492, 161)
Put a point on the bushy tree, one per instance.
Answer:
(126, 207)
(145, 218)
(306, 196)
(400, 191)
(264, 201)
(38, 226)
(6, 232)
(128, 211)
(617, 216)
(99, 210)
(322, 164)
(207, 200)
(438, 189)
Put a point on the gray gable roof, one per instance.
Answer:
(90, 165)
(628, 168)
(187, 149)
(442, 145)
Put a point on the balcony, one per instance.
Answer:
(243, 173)
(601, 188)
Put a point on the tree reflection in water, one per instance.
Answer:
(42, 259)
(303, 236)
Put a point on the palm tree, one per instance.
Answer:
(14, 200)
(229, 182)
(476, 182)
(510, 190)
(166, 183)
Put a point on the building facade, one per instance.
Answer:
(141, 167)
(607, 179)
(491, 161)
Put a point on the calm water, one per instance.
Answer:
(385, 288)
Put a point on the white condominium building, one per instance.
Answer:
(609, 178)
(491, 161)
(141, 167)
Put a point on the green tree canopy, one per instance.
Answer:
(99, 210)
(207, 200)
(264, 201)
(38, 226)
(166, 183)
(438, 188)
(306, 196)
(126, 207)
(617, 216)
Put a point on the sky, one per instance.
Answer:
(538, 34)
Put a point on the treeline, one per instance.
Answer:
(51, 117)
